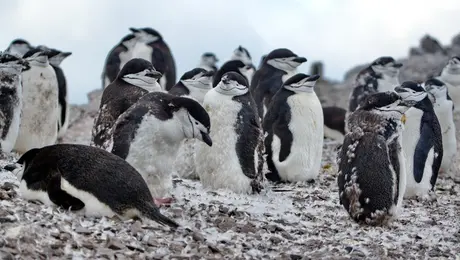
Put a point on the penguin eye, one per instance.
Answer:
(196, 123)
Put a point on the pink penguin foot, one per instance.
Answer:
(163, 201)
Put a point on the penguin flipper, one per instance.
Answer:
(59, 196)
(423, 147)
(281, 130)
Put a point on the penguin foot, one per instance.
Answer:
(163, 201)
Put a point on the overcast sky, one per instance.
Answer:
(341, 33)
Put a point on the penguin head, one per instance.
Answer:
(388, 103)
(194, 118)
(232, 84)
(36, 57)
(386, 66)
(129, 41)
(411, 91)
(55, 57)
(209, 59)
(236, 66)
(25, 160)
(19, 47)
(436, 89)
(284, 59)
(301, 83)
(12, 64)
(146, 34)
(141, 73)
(197, 78)
(242, 54)
(453, 66)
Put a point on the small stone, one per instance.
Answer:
(198, 237)
(136, 227)
(105, 252)
(87, 244)
(120, 256)
(6, 255)
(84, 231)
(177, 246)
(115, 244)
(275, 240)
(65, 236)
(135, 247)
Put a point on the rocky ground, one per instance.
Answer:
(303, 221)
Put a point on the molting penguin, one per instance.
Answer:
(162, 58)
(40, 111)
(293, 129)
(18, 47)
(137, 78)
(235, 160)
(443, 107)
(117, 58)
(10, 99)
(235, 66)
(87, 180)
(278, 66)
(422, 141)
(334, 123)
(194, 83)
(450, 75)
(208, 61)
(55, 58)
(371, 164)
(380, 76)
(148, 136)
(242, 54)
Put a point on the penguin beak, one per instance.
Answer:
(134, 30)
(66, 54)
(154, 74)
(300, 59)
(313, 78)
(397, 65)
(206, 138)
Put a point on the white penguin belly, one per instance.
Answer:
(218, 166)
(39, 121)
(142, 51)
(306, 126)
(410, 137)
(449, 140)
(184, 165)
(454, 93)
(333, 134)
(7, 144)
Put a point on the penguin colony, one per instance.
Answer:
(236, 127)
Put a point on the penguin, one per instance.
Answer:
(148, 136)
(334, 123)
(40, 112)
(55, 58)
(18, 47)
(118, 56)
(380, 76)
(450, 75)
(194, 83)
(242, 54)
(208, 61)
(278, 66)
(235, 159)
(136, 78)
(262, 58)
(422, 141)
(87, 180)
(162, 58)
(235, 66)
(293, 130)
(10, 99)
(443, 107)
(371, 164)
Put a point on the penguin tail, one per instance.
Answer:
(153, 213)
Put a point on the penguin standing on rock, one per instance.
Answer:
(422, 141)
(208, 61)
(194, 83)
(10, 99)
(233, 65)
(117, 58)
(443, 107)
(87, 180)
(18, 47)
(293, 127)
(40, 110)
(371, 164)
(278, 66)
(450, 75)
(149, 134)
(235, 160)
(137, 78)
(334, 123)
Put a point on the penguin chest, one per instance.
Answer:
(198, 94)
(142, 51)
(11, 115)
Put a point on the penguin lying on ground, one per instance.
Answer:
(86, 179)
(149, 134)
(371, 163)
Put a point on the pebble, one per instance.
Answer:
(84, 231)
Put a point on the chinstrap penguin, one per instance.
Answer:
(137, 78)
(87, 180)
(10, 99)
(40, 106)
(235, 160)
(278, 66)
(371, 164)
(262, 61)
(55, 58)
(149, 134)
(421, 141)
(380, 76)
(293, 130)
(117, 57)
(18, 47)
(242, 54)
(161, 55)
(450, 75)
(208, 61)
(334, 123)
(443, 107)
(236, 66)
(194, 83)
